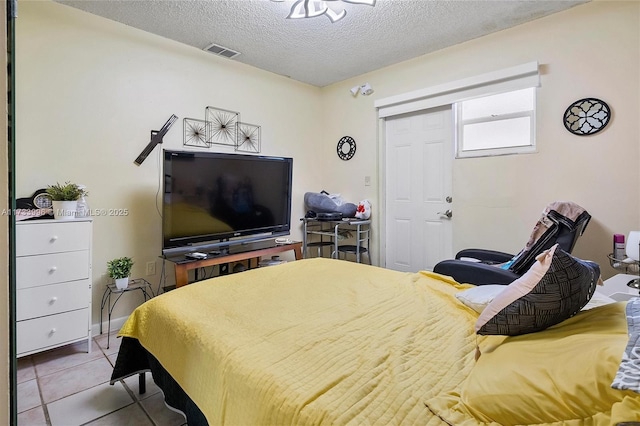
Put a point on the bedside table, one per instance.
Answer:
(617, 289)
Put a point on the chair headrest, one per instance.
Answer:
(568, 209)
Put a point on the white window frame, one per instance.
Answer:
(506, 150)
(505, 80)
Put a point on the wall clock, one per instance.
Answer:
(39, 205)
(42, 200)
(587, 116)
(346, 148)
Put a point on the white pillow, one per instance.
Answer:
(479, 297)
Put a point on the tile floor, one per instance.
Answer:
(69, 387)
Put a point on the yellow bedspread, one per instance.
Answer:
(315, 341)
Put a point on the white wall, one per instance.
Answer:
(89, 91)
(592, 50)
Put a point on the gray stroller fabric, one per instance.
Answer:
(322, 203)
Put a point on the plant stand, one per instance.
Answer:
(138, 284)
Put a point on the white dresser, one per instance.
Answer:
(53, 283)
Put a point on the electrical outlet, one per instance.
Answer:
(367, 181)
(151, 268)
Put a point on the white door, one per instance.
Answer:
(418, 184)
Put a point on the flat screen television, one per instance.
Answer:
(218, 199)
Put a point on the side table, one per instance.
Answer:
(332, 230)
(139, 284)
(618, 288)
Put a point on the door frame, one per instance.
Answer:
(503, 80)
(8, 395)
(382, 173)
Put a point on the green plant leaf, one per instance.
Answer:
(67, 192)
(120, 267)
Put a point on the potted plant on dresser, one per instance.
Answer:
(65, 199)
(119, 269)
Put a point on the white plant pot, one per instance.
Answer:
(122, 283)
(65, 210)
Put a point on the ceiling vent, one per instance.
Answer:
(216, 49)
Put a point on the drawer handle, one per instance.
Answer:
(53, 269)
(53, 330)
(54, 238)
(54, 299)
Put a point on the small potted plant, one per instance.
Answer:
(119, 269)
(65, 199)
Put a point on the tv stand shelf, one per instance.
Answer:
(233, 253)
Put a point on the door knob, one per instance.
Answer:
(446, 214)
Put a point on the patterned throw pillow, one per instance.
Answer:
(628, 374)
(554, 289)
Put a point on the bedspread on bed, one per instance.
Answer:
(311, 341)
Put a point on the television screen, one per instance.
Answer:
(215, 198)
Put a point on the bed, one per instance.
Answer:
(324, 341)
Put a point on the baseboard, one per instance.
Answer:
(116, 324)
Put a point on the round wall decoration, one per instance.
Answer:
(346, 148)
(587, 116)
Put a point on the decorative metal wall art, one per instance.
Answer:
(346, 148)
(195, 133)
(248, 137)
(587, 116)
(222, 126)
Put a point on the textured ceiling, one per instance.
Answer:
(314, 50)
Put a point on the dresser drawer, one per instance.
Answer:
(51, 299)
(41, 333)
(34, 271)
(41, 238)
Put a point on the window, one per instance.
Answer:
(497, 124)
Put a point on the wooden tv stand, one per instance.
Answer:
(233, 254)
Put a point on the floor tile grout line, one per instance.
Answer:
(138, 400)
(107, 414)
(44, 404)
(33, 367)
(134, 401)
(45, 410)
(44, 407)
(140, 404)
(84, 390)
(57, 358)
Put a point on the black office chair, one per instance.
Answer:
(562, 222)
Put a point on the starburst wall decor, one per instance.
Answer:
(248, 138)
(222, 126)
(195, 133)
